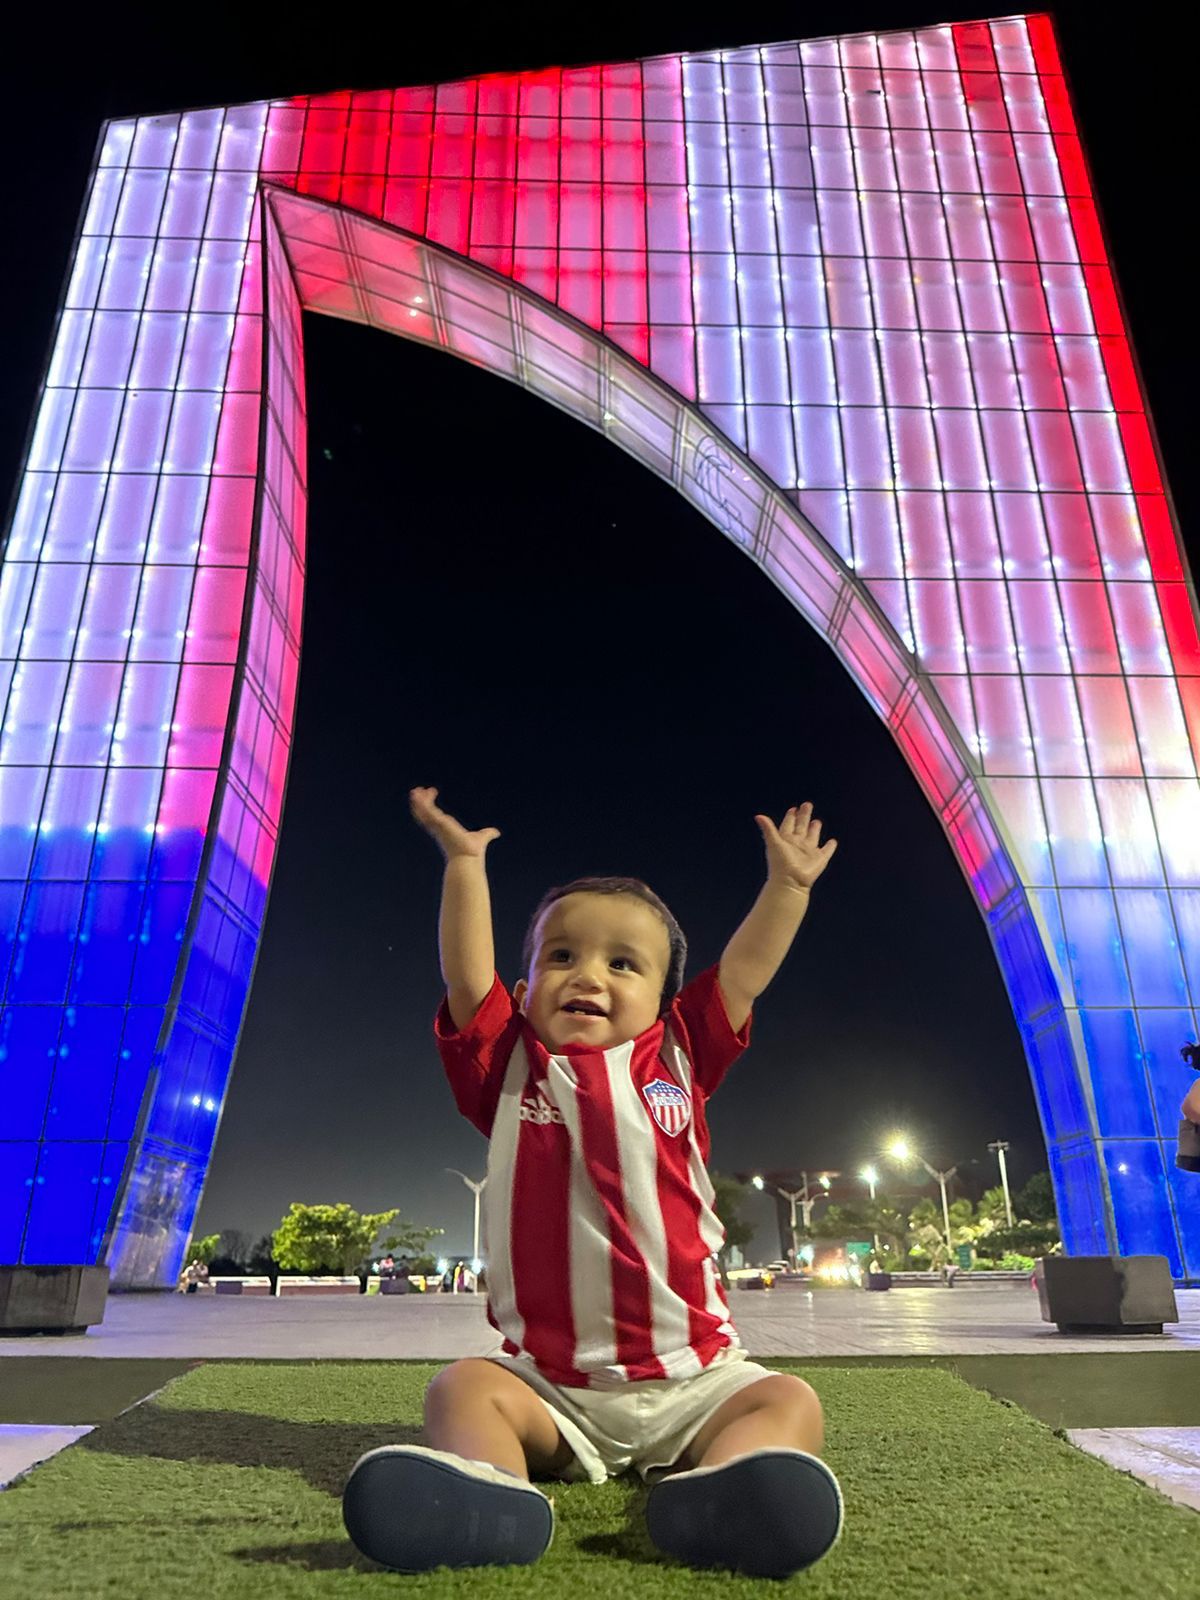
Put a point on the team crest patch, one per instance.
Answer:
(671, 1106)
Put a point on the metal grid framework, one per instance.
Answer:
(850, 296)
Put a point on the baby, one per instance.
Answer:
(590, 1083)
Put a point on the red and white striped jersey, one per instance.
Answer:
(598, 1211)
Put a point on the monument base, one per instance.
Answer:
(51, 1299)
(1106, 1294)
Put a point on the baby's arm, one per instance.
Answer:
(796, 858)
(465, 942)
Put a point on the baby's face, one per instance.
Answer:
(599, 965)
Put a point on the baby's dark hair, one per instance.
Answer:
(631, 886)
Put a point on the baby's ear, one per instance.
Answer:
(520, 990)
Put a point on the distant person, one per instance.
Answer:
(196, 1274)
(387, 1267)
(590, 1080)
(1188, 1153)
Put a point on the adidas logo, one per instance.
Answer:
(535, 1109)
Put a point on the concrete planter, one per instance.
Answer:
(51, 1299)
(1106, 1294)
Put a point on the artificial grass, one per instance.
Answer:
(228, 1484)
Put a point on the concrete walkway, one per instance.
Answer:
(1168, 1459)
(980, 1320)
(26, 1445)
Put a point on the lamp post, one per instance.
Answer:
(1000, 1146)
(901, 1152)
(477, 1189)
(808, 1201)
(793, 1197)
(870, 1177)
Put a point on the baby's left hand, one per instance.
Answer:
(795, 854)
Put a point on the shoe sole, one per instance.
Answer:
(412, 1513)
(768, 1514)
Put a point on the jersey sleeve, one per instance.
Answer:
(698, 1012)
(475, 1057)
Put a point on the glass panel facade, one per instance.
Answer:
(850, 296)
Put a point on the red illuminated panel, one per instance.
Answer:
(538, 176)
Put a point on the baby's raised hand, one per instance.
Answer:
(454, 839)
(795, 854)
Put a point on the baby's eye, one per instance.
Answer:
(554, 954)
(626, 961)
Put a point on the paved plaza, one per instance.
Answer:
(982, 1319)
(972, 1323)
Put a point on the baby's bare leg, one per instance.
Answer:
(752, 1493)
(774, 1413)
(414, 1508)
(483, 1412)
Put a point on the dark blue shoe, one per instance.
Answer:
(412, 1509)
(770, 1513)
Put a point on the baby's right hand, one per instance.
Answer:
(454, 839)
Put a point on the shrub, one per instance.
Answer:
(1025, 1239)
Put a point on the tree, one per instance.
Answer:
(840, 1222)
(232, 1252)
(203, 1249)
(992, 1214)
(260, 1260)
(729, 1195)
(928, 1235)
(327, 1238)
(235, 1244)
(890, 1227)
(1035, 1202)
(408, 1240)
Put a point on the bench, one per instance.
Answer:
(931, 1279)
(1005, 1275)
(317, 1285)
(237, 1286)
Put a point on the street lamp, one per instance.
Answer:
(793, 1197)
(477, 1189)
(870, 1177)
(901, 1151)
(1000, 1146)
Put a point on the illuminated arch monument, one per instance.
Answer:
(850, 296)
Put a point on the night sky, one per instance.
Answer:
(501, 604)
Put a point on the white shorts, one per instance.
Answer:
(647, 1424)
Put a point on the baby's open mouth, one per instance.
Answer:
(583, 1008)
